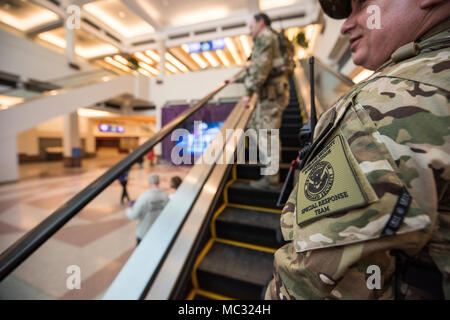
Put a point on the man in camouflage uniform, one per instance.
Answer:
(370, 215)
(267, 77)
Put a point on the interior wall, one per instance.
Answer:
(28, 59)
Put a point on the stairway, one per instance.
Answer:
(237, 261)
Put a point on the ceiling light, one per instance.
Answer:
(149, 68)
(362, 76)
(232, 48)
(8, 101)
(246, 45)
(270, 4)
(143, 57)
(223, 57)
(123, 26)
(122, 14)
(53, 39)
(144, 72)
(152, 54)
(199, 60)
(207, 14)
(185, 47)
(171, 68)
(176, 62)
(210, 59)
(39, 16)
(121, 59)
(117, 64)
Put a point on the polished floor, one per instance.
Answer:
(99, 239)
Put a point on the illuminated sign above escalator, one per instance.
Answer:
(196, 47)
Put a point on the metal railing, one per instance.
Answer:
(31, 241)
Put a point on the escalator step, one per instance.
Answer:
(253, 172)
(234, 271)
(241, 192)
(291, 119)
(200, 297)
(290, 128)
(288, 154)
(250, 226)
(289, 140)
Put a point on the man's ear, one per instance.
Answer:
(428, 4)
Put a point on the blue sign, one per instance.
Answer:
(109, 128)
(196, 47)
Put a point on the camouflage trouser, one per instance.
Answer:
(267, 115)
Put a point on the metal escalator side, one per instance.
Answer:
(17, 253)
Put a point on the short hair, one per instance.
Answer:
(175, 182)
(153, 178)
(263, 16)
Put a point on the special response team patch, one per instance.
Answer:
(328, 184)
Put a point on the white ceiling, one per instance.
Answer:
(138, 25)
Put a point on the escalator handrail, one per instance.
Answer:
(14, 255)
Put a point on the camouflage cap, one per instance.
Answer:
(337, 9)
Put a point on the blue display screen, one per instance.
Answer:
(201, 134)
(196, 47)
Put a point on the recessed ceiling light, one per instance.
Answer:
(122, 14)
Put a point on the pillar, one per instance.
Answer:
(9, 168)
(162, 60)
(71, 141)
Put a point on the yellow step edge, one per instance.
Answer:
(246, 245)
(213, 221)
(191, 294)
(213, 295)
(197, 262)
(243, 206)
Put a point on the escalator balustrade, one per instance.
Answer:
(237, 260)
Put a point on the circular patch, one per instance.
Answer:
(319, 181)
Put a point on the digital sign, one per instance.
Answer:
(110, 128)
(196, 47)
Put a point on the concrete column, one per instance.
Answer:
(69, 34)
(162, 61)
(90, 138)
(9, 164)
(71, 141)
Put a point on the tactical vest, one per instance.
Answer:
(331, 168)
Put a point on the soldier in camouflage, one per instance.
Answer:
(266, 76)
(373, 197)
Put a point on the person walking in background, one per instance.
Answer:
(141, 161)
(175, 182)
(148, 207)
(151, 157)
(123, 179)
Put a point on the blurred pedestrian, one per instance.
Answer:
(148, 207)
(123, 179)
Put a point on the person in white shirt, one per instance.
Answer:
(148, 206)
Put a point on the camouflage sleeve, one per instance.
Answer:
(407, 147)
(261, 65)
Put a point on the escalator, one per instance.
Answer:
(216, 237)
(237, 261)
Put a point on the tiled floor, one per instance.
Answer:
(99, 239)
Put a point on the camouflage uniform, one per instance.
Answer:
(375, 187)
(272, 86)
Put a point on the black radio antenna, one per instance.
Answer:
(307, 131)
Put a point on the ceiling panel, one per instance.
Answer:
(87, 46)
(24, 15)
(119, 17)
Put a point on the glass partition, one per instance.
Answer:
(329, 85)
